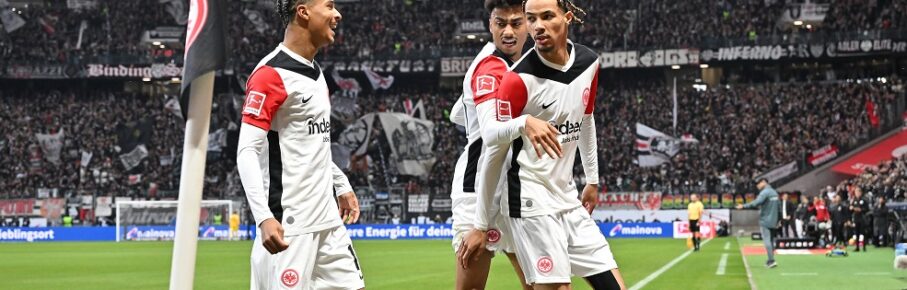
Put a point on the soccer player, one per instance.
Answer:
(509, 35)
(694, 210)
(262, 260)
(284, 158)
(553, 232)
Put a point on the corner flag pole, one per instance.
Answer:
(206, 51)
(192, 175)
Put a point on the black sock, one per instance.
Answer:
(603, 281)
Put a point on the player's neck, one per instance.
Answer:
(558, 56)
(299, 41)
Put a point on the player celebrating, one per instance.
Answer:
(694, 211)
(556, 81)
(285, 139)
(509, 37)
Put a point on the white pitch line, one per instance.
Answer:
(749, 275)
(722, 264)
(799, 274)
(727, 246)
(665, 268)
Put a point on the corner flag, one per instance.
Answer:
(206, 51)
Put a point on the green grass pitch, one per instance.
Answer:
(429, 264)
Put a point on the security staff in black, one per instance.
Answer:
(859, 206)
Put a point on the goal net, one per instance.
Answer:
(156, 220)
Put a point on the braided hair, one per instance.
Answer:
(568, 6)
(285, 9)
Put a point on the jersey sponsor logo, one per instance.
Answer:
(545, 107)
(544, 265)
(485, 85)
(494, 236)
(255, 101)
(289, 278)
(567, 128)
(315, 127)
(504, 111)
(586, 94)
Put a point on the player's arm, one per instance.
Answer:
(500, 97)
(265, 94)
(763, 196)
(346, 199)
(458, 112)
(588, 150)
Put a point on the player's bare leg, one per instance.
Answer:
(476, 275)
(519, 271)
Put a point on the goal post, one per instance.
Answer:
(156, 220)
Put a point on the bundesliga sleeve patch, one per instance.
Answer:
(504, 111)
(255, 101)
(485, 84)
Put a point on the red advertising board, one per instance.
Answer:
(16, 207)
(891, 147)
(823, 154)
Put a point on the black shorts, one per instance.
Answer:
(694, 226)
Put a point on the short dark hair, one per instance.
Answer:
(760, 180)
(491, 5)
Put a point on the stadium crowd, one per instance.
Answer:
(57, 34)
(105, 124)
(743, 130)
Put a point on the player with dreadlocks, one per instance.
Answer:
(284, 162)
(554, 236)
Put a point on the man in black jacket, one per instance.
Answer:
(787, 217)
(840, 213)
(880, 214)
(859, 206)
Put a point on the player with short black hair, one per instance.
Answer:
(554, 234)
(284, 160)
(508, 29)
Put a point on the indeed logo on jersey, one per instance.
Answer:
(316, 127)
(566, 128)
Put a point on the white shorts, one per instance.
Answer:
(319, 260)
(499, 234)
(552, 247)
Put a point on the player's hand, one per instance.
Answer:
(349, 207)
(739, 206)
(544, 135)
(272, 236)
(590, 197)
(470, 247)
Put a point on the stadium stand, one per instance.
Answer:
(749, 126)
